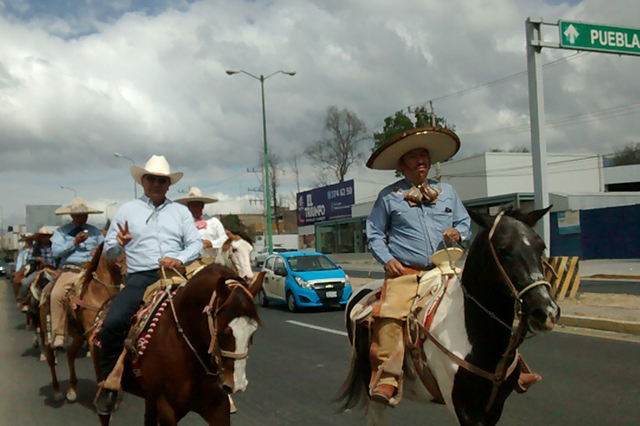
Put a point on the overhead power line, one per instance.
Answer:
(614, 112)
(489, 84)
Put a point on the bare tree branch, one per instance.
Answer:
(341, 146)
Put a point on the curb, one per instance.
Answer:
(626, 327)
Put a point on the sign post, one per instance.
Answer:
(576, 36)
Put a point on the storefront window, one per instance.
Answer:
(349, 237)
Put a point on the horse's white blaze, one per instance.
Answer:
(449, 328)
(526, 241)
(243, 328)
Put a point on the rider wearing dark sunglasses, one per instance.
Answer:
(154, 233)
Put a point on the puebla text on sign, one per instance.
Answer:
(600, 38)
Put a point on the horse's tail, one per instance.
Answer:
(354, 393)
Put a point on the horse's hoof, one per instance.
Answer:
(43, 357)
(58, 397)
(72, 395)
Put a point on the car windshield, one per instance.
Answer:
(310, 263)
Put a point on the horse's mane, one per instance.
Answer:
(89, 267)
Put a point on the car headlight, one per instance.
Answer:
(302, 283)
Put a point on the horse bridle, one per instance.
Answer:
(214, 350)
(212, 318)
(517, 294)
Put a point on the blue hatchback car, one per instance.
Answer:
(303, 279)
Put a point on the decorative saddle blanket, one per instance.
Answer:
(156, 300)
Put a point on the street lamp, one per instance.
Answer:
(135, 188)
(267, 192)
(75, 194)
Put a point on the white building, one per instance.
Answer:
(489, 182)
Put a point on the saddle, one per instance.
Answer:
(155, 301)
(432, 286)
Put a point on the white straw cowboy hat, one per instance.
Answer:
(25, 237)
(77, 206)
(44, 231)
(196, 195)
(441, 143)
(157, 166)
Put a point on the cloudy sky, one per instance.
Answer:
(82, 80)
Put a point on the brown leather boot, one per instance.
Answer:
(526, 380)
(383, 393)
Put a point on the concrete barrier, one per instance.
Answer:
(563, 272)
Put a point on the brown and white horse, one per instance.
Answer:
(236, 255)
(99, 280)
(197, 353)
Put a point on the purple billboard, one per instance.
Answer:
(326, 203)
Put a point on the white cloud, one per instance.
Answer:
(74, 90)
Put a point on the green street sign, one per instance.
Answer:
(599, 38)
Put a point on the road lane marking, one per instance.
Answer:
(316, 327)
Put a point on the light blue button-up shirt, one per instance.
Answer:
(23, 254)
(68, 253)
(414, 233)
(164, 231)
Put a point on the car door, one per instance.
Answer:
(268, 284)
(279, 280)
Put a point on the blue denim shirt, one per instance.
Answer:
(164, 231)
(414, 233)
(68, 253)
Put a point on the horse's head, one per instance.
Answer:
(240, 255)
(517, 252)
(234, 318)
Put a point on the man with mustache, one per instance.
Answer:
(407, 224)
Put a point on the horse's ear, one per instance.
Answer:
(533, 217)
(256, 285)
(482, 219)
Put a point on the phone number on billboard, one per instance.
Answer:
(342, 192)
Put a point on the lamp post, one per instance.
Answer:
(106, 211)
(267, 191)
(135, 188)
(75, 194)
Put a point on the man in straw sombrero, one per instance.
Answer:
(153, 232)
(73, 244)
(408, 222)
(211, 230)
(40, 255)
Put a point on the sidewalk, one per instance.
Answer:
(608, 312)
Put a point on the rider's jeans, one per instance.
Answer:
(118, 320)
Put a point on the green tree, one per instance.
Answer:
(232, 222)
(400, 122)
(630, 154)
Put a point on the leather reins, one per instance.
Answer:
(211, 310)
(504, 368)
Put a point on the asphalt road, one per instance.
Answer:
(586, 284)
(295, 371)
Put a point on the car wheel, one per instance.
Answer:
(291, 302)
(262, 299)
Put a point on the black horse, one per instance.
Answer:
(471, 347)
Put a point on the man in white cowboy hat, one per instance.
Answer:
(407, 223)
(40, 255)
(153, 232)
(73, 244)
(211, 230)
